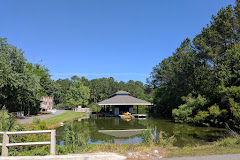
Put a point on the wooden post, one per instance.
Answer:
(4, 144)
(53, 142)
(137, 109)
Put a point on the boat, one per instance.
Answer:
(126, 113)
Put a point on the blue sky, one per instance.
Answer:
(103, 38)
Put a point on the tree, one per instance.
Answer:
(174, 78)
(78, 94)
(19, 86)
(206, 67)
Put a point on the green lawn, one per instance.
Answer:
(66, 116)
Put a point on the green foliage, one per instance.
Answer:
(151, 137)
(64, 117)
(163, 140)
(208, 66)
(7, 121)
(229, 141)
(35, 151)
(186, 112)
(73, 139)
(37, 124)
(201, 117)
(21, 83)
(78, 94)
(147, 137)
(93, 108)
(235, 113)
(67, 91)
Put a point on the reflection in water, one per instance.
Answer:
(122, 133)
(127, 119)
(116, 130)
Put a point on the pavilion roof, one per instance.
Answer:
(122, 92)
(123, 98)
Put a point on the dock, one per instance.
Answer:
(140, 115)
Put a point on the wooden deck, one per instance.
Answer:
(140, 115)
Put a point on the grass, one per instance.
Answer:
(64, 117)
(203, 151)
(143, 151)
(166, 152)
(228, 145)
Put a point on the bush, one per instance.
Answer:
(147, 137)
(93, 108)
(161, 139)
(73, 139)
(226, 142)
(7, 121)
(187, 111)
(37, 124)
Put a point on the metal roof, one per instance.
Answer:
(123, 99)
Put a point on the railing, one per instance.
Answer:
(5, 144)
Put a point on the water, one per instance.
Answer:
(97, 129)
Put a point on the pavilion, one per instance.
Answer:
(121, 101)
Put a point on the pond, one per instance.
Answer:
(116, 130)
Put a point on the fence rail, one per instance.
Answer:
(5, 144)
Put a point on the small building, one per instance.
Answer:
(80, 109)
(46, 103)
(120, 102)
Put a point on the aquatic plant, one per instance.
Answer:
(73, 139)
(151, 137)
(147, 137)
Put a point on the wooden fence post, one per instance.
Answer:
(4, 144)
(53, 142)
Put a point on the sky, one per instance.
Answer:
(123, 39)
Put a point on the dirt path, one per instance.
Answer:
(29, 119)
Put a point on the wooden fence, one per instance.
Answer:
(5, 144)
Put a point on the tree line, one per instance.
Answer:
(95, 90)
(22, 84)
(200, 82)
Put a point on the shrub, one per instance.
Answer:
(226, 142)
(7, 121)
(187, 111)
(147, 137)
(37, 124)
(73, 139)
(161, 139)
